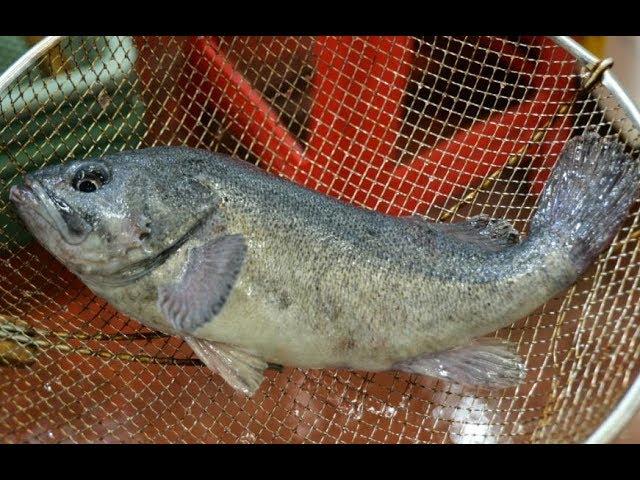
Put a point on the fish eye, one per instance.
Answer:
(90, 178)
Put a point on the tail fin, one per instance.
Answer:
(587, 197)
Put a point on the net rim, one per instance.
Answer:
(629, 404)
(27, 59)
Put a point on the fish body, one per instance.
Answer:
(252, 269)
(326, 284)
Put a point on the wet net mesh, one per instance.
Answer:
(444, 127)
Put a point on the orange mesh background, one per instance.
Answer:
(445, 127)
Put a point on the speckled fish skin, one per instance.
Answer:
(324, 283)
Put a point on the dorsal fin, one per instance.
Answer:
(481, 230)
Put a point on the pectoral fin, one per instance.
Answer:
(209, 276)
(485, 362)
(242, 370)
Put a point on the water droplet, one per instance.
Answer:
(356, 411)
(247, 437)
(48, 388)
(472, 423)
(385, 411)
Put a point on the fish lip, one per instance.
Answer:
(36, 198)
(25, 198)
(21, 195)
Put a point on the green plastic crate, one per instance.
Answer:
(11, 49)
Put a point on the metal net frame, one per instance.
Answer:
(444, 127)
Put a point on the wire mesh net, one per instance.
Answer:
(444, 127)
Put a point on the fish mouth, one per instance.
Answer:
(25, 199)
(23, 195)
(32, 196)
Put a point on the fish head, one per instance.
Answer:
(102, 216)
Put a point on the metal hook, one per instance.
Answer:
(592, 73)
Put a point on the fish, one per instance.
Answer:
(253, 270)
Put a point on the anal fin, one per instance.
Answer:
(486, 362)
(240, 369)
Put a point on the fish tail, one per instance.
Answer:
(587, 197)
